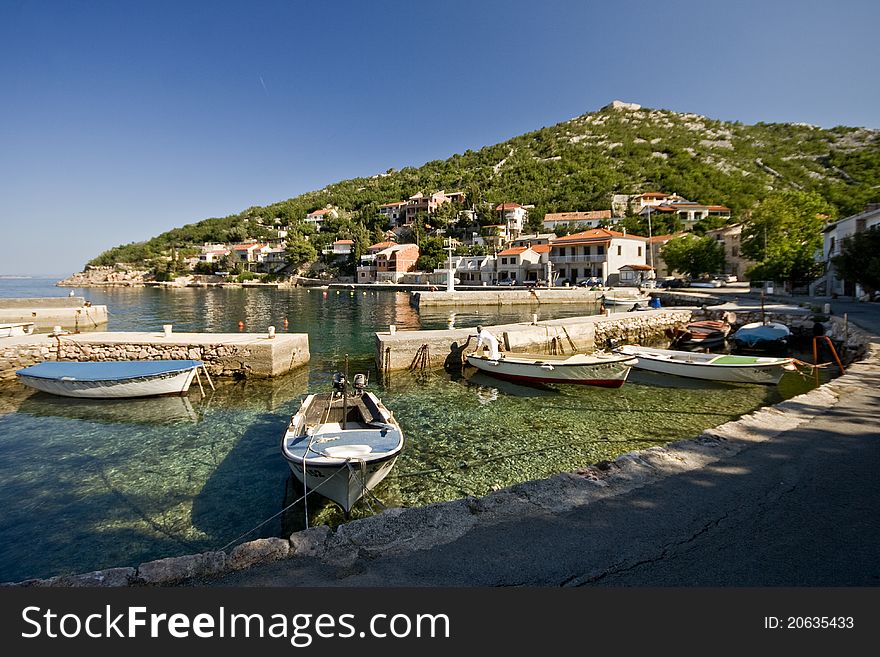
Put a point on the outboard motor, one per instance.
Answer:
(339, 382)
(360, 382)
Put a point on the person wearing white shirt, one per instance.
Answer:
(485, 337)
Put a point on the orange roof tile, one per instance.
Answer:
(514, 251)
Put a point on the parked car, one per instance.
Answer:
(707, 282)
(671, 282)
(507, 281)
(726, 278)
(593, 281)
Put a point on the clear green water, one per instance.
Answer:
(88, 485)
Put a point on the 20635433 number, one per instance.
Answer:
(809, 622)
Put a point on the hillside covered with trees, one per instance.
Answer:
(575, 165)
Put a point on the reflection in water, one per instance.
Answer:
(137, 481)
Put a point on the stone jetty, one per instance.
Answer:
(399, 350)
(67, 312)
(241, 355)
(505, 297)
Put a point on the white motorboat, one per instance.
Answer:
(342, 444)
(15, 329)
(603, 369)
(710, 367)
(625, 299)
(111, 379)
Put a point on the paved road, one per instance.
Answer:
(799, 509)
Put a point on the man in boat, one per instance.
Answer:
(485, 337)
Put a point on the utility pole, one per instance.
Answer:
(450, 276)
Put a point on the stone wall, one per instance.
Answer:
(397, 351)
(235, 355)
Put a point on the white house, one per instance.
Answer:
(590, 219)
(595, 253)
(317, 217)
(514, 216)
(339, 248)
(835, 233)
(523, 263)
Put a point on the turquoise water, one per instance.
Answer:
(88, 485)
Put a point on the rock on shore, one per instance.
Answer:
(106, 277)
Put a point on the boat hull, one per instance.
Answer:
(16, 329)
(111, 379)
(724, 369)
(770, 338)
(606, 373)
(343, 484)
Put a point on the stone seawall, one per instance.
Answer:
(397, 351)
(68, 312)
(501, 297)
(224, 354)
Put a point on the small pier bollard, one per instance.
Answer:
(535, 319)
(271, 332)
(166, 330)
(392, 329)
(826, 309)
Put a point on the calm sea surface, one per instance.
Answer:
(90, 485)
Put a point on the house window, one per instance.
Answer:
(618, 249)
(640, 251)
(562, 250)
(600, 250)
(503, 261)
(734, 251)
(833, 245)
(574, 274)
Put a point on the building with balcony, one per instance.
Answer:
(596, 253)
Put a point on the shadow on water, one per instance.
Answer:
(246, 487)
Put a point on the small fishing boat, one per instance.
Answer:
(710, 367)
(703, 334)
(342, 444)
(604, 369)
(620, 298)
(15, 329)
(769, 337)
(111, 379)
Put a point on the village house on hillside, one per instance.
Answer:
(387, 262)
(597, 253)
(687, 211)
(513, 216)
(589, 219)
(317, 217)
(730, 238)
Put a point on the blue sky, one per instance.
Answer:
(120, 120)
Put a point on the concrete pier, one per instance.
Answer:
(502, 296)
(67, 312)
(225, 354)
(397, 351)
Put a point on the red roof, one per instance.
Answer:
(380, 246)
(652, 195)
(719, 208)
(664, 238)
(393, 205)
(594, 235)
(639, 267)
(508, 206)
(541, 248)
(344, 242)
(514, 251)
(247, 247)
(320, 212)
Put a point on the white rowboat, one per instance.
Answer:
(710, 367)
(600, 369)
(111, 379)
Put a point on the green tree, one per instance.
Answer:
(859, 259)
(783, 233)
(300, 251)
(693, 255)
(431, 254)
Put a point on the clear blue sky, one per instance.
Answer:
(120, 120)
